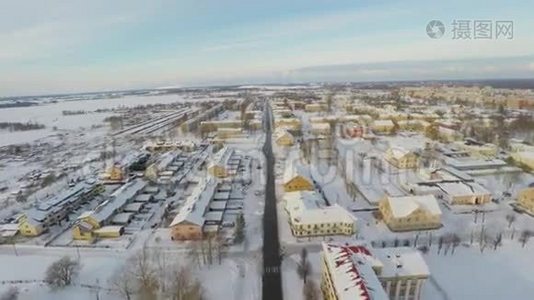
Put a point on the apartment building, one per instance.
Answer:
(359, 271)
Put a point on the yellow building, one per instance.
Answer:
(463, 193)
(283, 138)
(291, 123)
(114, 174)
(383, 126)
(414, 125)
(402, 158)
(359, 271)
(189, 222)
(30, 227)
(84, 227)
(410, 212)
(487, 150)
(294, 180)
(525, 158)
(525, 199)
(92, 224)
(109, 232)
(320, 128)
(315, 107)
(307, 219)
(448, 134)
(227, 133)
(218, 164)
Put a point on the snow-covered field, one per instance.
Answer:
(505, 273)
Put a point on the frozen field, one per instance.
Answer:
(51, 115)
(468, 274)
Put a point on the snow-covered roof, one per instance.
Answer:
(398, 152)
(118, 199)
(122, 218)
(109, 229)
(320, 126)
(351, 270)
(58, 202)
(143, 198)
(133, 207)
(404, 206)
(456, 189)
(401, 261)
(329, 214)
(280, 132)
(383, 123)
(525, 155)
(195, 205)
(221, 157)
(294, 169)
(296, 202)
(165, 160)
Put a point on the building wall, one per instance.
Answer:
(526, 199)
(383, 128)
(77, 234)
(418, 220)
(408, 161)
(522, 159)
(183, 232)
(109, 234)
(298, 183)
(218, 171)
(470, 199)
(327, 286)
(403, 288)
(322, 229)
(28, 229)
(284, 140)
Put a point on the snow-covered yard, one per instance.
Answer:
(469, 274)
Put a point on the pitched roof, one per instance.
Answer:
(404, 206)
(195, 205)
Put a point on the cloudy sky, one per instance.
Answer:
(75, 46)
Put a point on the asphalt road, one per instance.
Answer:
(272, 281)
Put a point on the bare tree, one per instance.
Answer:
(455, 242)
(61, 272)
(304, 266)
(184, 286)
(220, 246)
(12, 293)
(310, 290)
(524, 237)
(145, 274)
(124, 281)
(511, 219)
(497, 241)
(194, 252)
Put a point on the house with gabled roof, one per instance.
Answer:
(410, 212)
(188, 224)
(402, 158)
(296, 179)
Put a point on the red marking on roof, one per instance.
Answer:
(344, 257)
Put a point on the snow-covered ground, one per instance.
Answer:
(505, 273)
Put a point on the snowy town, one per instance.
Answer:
(299, 192)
